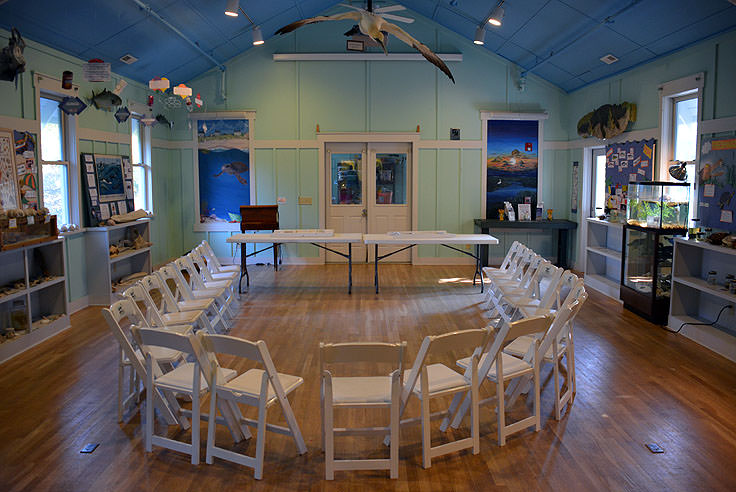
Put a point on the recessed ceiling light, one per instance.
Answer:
(128, 59)
(608, 59)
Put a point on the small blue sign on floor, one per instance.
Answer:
(89, 448)
(654, 447)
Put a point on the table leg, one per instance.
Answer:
(243, 269)
(350, 268)
(276, 257)
(562, 248)
(375, 279)
(484, 250)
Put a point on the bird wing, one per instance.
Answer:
(417, 45)
(320, 18)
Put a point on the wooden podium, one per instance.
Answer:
(257, 218)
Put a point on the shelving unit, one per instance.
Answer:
(695, 301)
(102, 270)
(603, 256)
(29, 305)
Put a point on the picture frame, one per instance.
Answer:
(525, 211)
(9, 193)
(110, 175)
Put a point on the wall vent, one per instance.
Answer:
(128, 59)
(608, 59)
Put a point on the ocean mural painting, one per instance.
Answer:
(512, 164)
(110, 177)
(224, 184)
(224, 173)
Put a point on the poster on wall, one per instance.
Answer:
(717, 183)
(574, 194)
(108, 184)
(27, 169)
(627, 162)
(110, 177)
(223, 172)
(9, 197)
(512, 163)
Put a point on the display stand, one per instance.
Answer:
(696, 301)
(40, 268)
(603, 257)
(103, 270)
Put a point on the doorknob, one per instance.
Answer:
(364, 213)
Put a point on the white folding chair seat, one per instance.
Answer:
(259, 388)
(513, 367)
(507, 260)
(435, 380)
(216, 272)
(361, 392)
(180, 379)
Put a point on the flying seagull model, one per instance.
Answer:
(374, 26)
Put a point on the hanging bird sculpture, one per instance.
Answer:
(375, 27)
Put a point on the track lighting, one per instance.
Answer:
(232, 8)
(257, 36)
(496, 16)
(480, 34)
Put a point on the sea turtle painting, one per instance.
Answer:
(235, 168)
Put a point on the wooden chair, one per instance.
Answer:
(495, 362)
(361, 392)
(260, 388)
(132, 358)
(434, 380)
(186, 379)
(174, 300)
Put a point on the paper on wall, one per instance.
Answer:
(90, 167)
(104, 211)
(88, 158)
(91, 181)
(122, 207)
(709, 191)
(93, 192)
(727, 216)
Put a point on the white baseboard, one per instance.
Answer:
(443, 261)
(78, 304)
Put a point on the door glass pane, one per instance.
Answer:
(686, 129)
(52, 140)
(55, 191)
(638, 273)
(346, 179)
(391, 179)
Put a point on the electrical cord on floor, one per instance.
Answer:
(701, 324)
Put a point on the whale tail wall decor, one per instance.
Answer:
(607, 121)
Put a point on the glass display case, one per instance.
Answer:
(658, 204)
(646, 270)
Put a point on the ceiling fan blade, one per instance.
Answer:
(351, 7)
(390, 8)
(408, 20)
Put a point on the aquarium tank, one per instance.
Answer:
(658, 204)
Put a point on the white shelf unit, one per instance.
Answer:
(695, 301)
(26, 265)
(102, 270)
(603, 256)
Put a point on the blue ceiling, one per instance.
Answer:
(558, 40)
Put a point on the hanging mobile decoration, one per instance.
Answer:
(66, 79)
(188, 104)
(72, 105)
(159, 84)
(150, 101)
(148, 120)
(198, 101)
(182, 91)
(122, 115)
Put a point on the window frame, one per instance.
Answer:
(595, 152)
(144, 133)
(50, 88)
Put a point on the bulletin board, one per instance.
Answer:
(8, 178)
(26, 166)
(626, 162)
(717, 183)
(108, 185)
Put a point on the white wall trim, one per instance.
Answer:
(103, 136)
(582, 143)
(171, 144)
(502, 115)
(78, 304)
(439, 260)
(285, 144)
(450, 144)
(20, 124)
(718, 125)
(281, 57)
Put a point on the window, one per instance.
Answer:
(54, 162)
(141, 168)
(685, 139)
(598, 186)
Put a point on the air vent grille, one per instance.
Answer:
(608, 59)
(128, 59)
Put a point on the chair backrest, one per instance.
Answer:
(521, 262)
(139, 296)
(200, 264)
(563, 317)
(510, 255)
(209, 254)
(185, 265)
(175, 284)
(126, 308)
(467, 341)
(567, 283)
(549, 285)
(254, 351)
(113, 316)
(151, 337)
(535, 262)
(375, 353)
(159, 294)
(576, 292)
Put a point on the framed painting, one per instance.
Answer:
(9, 197)
(223, 172)
(110, 177)
(513, 160)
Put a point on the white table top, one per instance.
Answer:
(429, 239)
(338, 237)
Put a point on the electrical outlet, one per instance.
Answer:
(305, 200)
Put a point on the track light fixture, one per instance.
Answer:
(257, 36)
(496, 16)
(232, 8)
(480, 34)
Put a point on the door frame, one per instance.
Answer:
(410, 138)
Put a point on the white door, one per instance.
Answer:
(368, 192)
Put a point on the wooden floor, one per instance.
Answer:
(636, 384)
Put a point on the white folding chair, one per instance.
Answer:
(507, 262)
(212, 259)
(495, 362)
(131, 357)
(528, 286)
(230, 278)
(434, 380)
(144, 293)
(186, 379)
(260, 388)
(541, 291)
(361, 392)
(175, 301)
(197, 279)
(193, 286)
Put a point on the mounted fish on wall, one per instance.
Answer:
(105, 100)
(12, 61)
(607, 121)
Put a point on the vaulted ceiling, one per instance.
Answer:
(561, 41)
